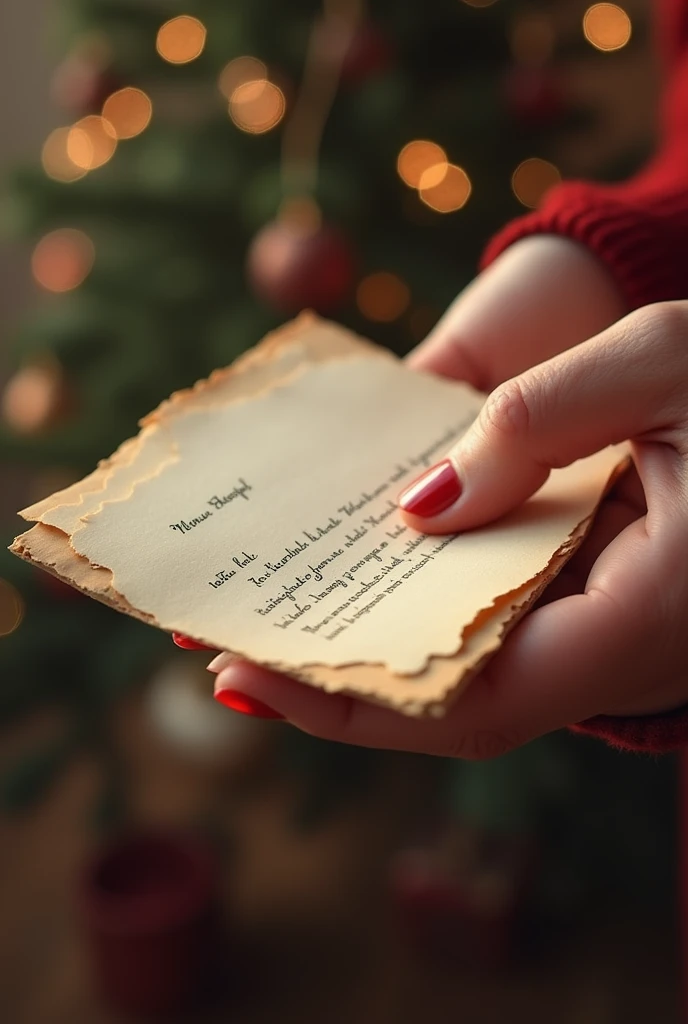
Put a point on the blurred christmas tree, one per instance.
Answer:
(220, 167)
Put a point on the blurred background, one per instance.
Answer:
(177, 180)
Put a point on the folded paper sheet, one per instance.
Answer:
(256, 512)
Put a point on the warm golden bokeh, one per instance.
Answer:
(257, 106)
(448, 194)
(129, 112)
(91, 142)
(11, 608)
(181, 39)
(418, 158)
(383, 297)
(34, 398)
(62, 260)
(532, 179)
(240, 71)
(607, 26)
(55, 158)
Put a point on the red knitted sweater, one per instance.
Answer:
(639, 229)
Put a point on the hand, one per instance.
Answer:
(514, 699)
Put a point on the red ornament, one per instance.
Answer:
(292, 266)
(458, 908)
(82, 83)
(148, 909)
(369, 54)
(533, 96)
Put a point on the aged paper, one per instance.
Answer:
(257, 513)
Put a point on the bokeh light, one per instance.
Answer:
(448, 194)
(532, 179)
(62, 260)
(129, 112)
(240, 71)
(257, 106)
(418, 158)
(11, 608)
(383, 297)
(34, 397)
(56, 160)
(91, 142)
(181, 39)
(532, 39)
(607, 26)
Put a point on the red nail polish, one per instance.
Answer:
(246, 705)
(187, 644)
(433, 492)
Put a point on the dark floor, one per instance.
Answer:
(315, 908)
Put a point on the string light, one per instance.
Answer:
(181, 39)
(418, 158)
(12, 608)
(91, 142)
(607, 27)
(532, 179)
(62, 260)
(240, 71)
(35, 397)
(383, 297)
(129, 112)
(448, 194)
(257, 106)
(55, 158)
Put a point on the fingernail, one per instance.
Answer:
(246, 705)
(433, 492)
(187, 644)
(220, 661)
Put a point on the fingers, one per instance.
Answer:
(540, 297)
(548, 674)
(627, 383)
(187, 644)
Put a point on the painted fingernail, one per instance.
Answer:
(187, 644)
(433, 492)
(246, 705)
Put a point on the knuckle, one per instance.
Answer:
(507, 410)
(664, 328)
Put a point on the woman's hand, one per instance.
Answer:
(609, 638)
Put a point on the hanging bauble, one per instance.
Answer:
(83, 81)
(296, 262)
(36, 398)
(369, 54)
(533, 96)
(181, 707)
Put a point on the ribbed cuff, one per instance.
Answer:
(645, 248)
(651, 734)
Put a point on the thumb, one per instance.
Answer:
(620, 385)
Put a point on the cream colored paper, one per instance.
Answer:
(298, 453)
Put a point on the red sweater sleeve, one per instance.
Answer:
(638, 228)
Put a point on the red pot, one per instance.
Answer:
(148, 903)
